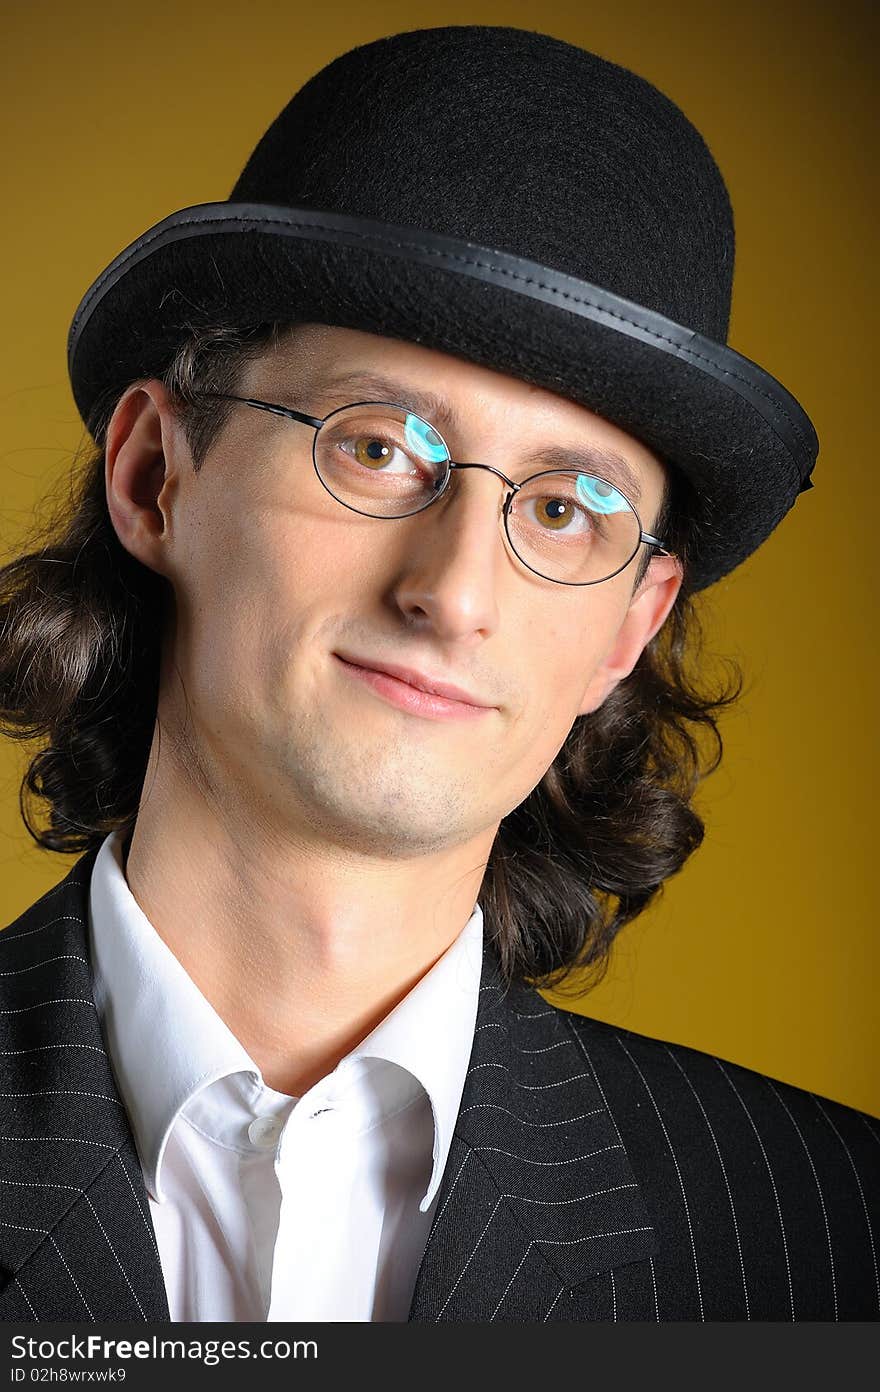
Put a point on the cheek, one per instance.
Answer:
(564, 653)
(274, 585)
(560, 666)
(230, 567)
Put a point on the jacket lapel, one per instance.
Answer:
(76, 1238)
(538, 1195)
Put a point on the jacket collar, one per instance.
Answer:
(539, 1171)
(536, 1166)
(76, 1241)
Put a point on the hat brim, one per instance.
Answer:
(740, 437)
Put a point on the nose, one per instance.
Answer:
(455, 556)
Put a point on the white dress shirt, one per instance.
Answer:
(265, 1206)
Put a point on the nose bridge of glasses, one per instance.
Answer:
(490, 468)
(510, 492)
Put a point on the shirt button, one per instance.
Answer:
(264, 1132)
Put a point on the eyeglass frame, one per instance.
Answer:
(645, 538)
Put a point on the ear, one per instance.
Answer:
(645, 616)
(142, 455)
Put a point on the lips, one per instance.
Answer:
(432, 685)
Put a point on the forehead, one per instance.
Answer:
(317, 368)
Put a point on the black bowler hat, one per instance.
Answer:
(500, 195)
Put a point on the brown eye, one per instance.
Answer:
(556, 512)
(370, 451)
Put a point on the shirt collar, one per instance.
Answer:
(167, 1044)
(431, 1032)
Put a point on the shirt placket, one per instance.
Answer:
(313, 1275)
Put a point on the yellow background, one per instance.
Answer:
(763, 950)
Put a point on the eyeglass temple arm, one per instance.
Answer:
(656, 542)
(288, 411)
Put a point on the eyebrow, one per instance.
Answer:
(588, 459)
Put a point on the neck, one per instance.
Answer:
(302, 946)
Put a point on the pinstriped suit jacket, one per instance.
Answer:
(594, 1174)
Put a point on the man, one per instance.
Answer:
(410, 456)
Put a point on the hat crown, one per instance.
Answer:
(519, 141)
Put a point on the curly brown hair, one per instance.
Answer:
(82, 621)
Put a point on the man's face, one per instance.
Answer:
(274, 579)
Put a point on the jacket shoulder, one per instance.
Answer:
(765, 1195)
(635, 1056)
(65, 902)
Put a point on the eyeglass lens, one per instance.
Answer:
(384, 461)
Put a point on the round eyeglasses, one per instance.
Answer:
(381, 460)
